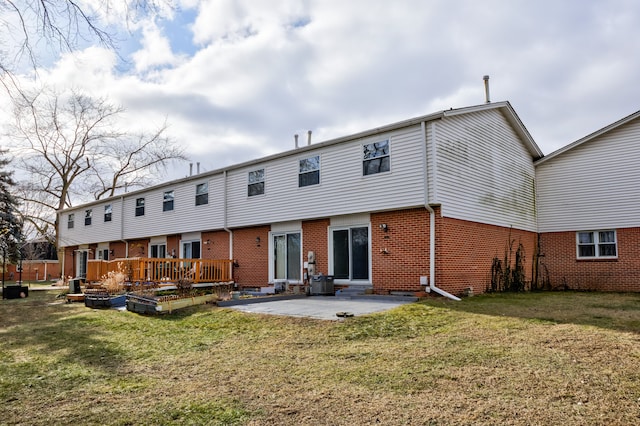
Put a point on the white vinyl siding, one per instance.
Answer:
(593, 185)
(344, 190)
(484, 172)
(101, 231)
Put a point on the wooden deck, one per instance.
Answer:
(144, 269)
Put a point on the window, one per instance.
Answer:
(309, 172)
(139, 206)
(597, 244)
(202, 194)
(191, 249)
(87, 217)
(107, 213)
(286, 256)
(103, 254)
(256, 182)
(375, 158)
(351, 253)
(70, 220)
(167, 203)
(158, 250)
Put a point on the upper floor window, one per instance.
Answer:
(597, 244)
(202, 194)
(167, 201)
(107, 212)
(70, 220)
(139, 206)
(87, 217)
(375, 158)
(256, 182)
(309, 172)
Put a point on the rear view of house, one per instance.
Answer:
(426, 203)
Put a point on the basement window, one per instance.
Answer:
(597, 244)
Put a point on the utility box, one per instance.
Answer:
(322, 285)
(74, 286)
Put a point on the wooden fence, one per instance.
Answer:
(144, 269)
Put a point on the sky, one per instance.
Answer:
(235, 80)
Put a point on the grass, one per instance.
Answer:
(521, 359)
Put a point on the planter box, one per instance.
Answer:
(105, 300)
(16, 291)
(149, 305)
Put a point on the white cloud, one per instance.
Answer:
(262, 71)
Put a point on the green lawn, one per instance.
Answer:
(539, 358)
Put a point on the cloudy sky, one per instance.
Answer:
(237, 79)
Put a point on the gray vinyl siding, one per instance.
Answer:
(594, 185)
(342, 190)
(185, 216)
(484, 171)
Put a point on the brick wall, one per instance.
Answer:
(561, 266)
(252, 258)
(314, 238)
(139, 248)
(399, 255)
(465, 252)
(34, 270)
(119, 250)
(69, 261)
(215, 245)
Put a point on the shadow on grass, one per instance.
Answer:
(44, 325)
(614, 311)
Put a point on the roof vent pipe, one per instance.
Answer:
(309, 137)
(198, 168)
(190, 169)
(486, 89)
(295, 138)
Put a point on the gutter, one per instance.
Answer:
(432, 214)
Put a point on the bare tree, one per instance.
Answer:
(63, 25)
(73, 151)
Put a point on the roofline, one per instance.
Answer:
(589, 137)
(511, 116)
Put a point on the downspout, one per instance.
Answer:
(126, 244)
(224, 225)
(432, 213)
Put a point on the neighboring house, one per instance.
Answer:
(39, 262)
(589, 210)
(429, 201)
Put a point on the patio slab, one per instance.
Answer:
(324, 307)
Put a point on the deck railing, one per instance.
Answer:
(139, 269)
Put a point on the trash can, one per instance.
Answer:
(74, 286)
(322, 285)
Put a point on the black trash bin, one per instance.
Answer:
(322, 285)
(16, 291)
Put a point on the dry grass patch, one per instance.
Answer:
(541, 358)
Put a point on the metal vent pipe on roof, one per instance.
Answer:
(486, 89)
(190, 169)
(295, 138)
(309, 137)
(198, 168)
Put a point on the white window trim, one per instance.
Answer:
(272, 271)
(330, 230)
(319, 170)
(596, 243)
(264, 183)
(363, 160)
